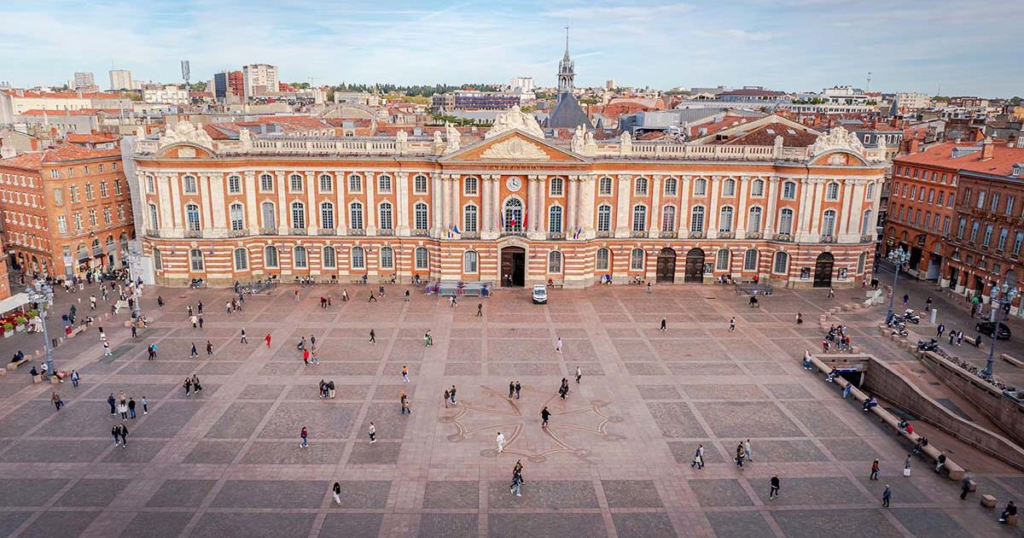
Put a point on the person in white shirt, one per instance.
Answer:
(501, 442)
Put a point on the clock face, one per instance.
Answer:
(513, 184)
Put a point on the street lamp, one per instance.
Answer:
(998, 301)
(42, 295)
(897, 257)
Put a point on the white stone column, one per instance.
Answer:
(539, 213)
(170, 203)
(313, 220)
(402, 195)
(683, 213)
(340, 185)
(370, 213)
(571, 210)
(531, 204)
(486, 208)
(252, 215)
(456, 205)
(846, 205)
(712, 212)
(741, 208)
(770, 216)
(654, 224)
(436, 204)
(586, 217)
(206, 203)
(284, 220)
(814, 231)
(622, 209)
(219, 216)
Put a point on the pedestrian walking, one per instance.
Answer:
(452, 392)
(209, 348)
(372, 298)
(195, 321)
(479, 310)
(188, 386)
(131, 408)
(544, 416)
(336, 490)
(500, 439)
(739, 456)
(939, 330)
(952, 336)
(106, 350)
(304, 434)
(122, 408)
(145, 406)
(112, 403)
(199, 307)
(774, 491)
(875, 470)
(847, 389)
(518, 388)
(579, 374)
(446, 396)
(267, 339)
(305, 357)
(402, 397)
(960, 337)
(965, 486)
(698, 457)
(886, 496)
(928, 305)
(906, 466)
(746, 450)
(194, 353)
(940, 462)
(189, 309)
(906, 300)
(831, 293)
(732, 324)
(558, 345)
(123, 431)
(405, 373)
(511, 389)
(373, 337)
(428, 340)
(56, 401)
(517, 479)
(116, 434)
(407, 297)
(135, 330)
(663, 324)
(200, 321)
(196, 387)
(75, 378)
(373, 433)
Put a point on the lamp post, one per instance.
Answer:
(897, 257)
(998, 301)
(42, 294)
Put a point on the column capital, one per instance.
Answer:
(625, 177)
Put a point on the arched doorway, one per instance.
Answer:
(694, 266)
(823, 270)
(513, 266)
(666, 266)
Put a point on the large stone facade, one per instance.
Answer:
(510, 204)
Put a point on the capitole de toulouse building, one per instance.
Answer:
(769, 199)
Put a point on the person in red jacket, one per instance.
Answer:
(267, 339)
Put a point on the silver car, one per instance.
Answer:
(540, 294)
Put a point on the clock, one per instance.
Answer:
(513, 184)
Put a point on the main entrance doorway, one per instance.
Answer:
(513, 266)
(666, 266)
(823, 270)
(694, 266)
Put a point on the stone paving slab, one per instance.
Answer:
(156, 525)
(739, 525)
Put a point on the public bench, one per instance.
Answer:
(1017, 363)
(15, 364)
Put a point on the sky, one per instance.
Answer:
(956, 47)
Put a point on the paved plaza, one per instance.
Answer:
(615, 460)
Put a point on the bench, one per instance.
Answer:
(988, 501)
(1015, 362)
(972, 340)
(1011, 520)
(15, 364)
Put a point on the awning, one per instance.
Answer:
(13, 302)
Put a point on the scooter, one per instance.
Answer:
(929, 345)
(899, 330)
(910, 316)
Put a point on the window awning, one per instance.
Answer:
(13, 302)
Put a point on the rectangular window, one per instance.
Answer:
(1001, 243)
(120, 213)
(88, 191)
(987, 238)
(981, 200)
(913, 191)
(103, 189)
(1010, 199)
(234, 184)
(78, 221)
(58, 196)
(967, 196)
(73, 190)
(355, 183)
(62, 224)
(945, 225)
(106, 215)
(117, 187)
(974, 231)
(1018, 240)
(960, 228)
(994, 205)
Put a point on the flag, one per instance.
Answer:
(524, 219)
(456, 229)
(501, 220)
(576, 233)
(449, 232)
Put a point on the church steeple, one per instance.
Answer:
(566, 72)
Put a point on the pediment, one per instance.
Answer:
(185, 150)
(513, 146)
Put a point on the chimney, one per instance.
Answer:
(987, 149)
(914, 146)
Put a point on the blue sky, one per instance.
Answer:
(962, 46)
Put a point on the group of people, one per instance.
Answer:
(837, 335)
(191, 385)
(326, 389)
(125, 406)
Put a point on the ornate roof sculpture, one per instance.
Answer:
(515, 119)
(186, 132)
(837, 138)
(515, 148)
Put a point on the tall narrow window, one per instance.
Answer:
(330, 258)
(604, 186)
(789, 191)
(234, 184)
(554, 262)
(358, 258)
(636, 259)
(557, 186)
(189, 186)
(469, 186)
(241, 259)
(192, 217)
(469, 223)
(298, 215)
(725, 219)
(832, 191)
(555, 219)
(384, 184)
(641, 186)
(419, 185)
(602, 260)
(786, 221)
(237, 217)
(729, 187)
(723, 260)
(384, 216)
(355, 183)
(355, 216)
(327, 215)
(469, 262)
(757, 188)
(387, 258)
(266, 183)
(697, 220)
(301, 260)
(750, 260)
(268, 215)
(668, 218)
(828, 223)
(326, 183)
(754, 220)
(604, 218)
(295, 183)
(639, 218)
(671, 186)
(781, 263)
(420, 216)
(422, 258)
(195, 257)
(700, 186)
(154, 218)
(270, 256)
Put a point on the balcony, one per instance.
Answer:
(193, 234)
(513, 232)
(152, 233)
(297, 231)
(385, 231)
(420, 233)
(727, 235)
(867, 238)
(327, 231)
(782, 237)
(97, 251)
(669, 235)
(698, 235)
(827, 239)
(471, 235)
(755, 235)
(556, 236)
(603, 235)
(268, 231)
(357, 231)
(238, 233)
(638, 234)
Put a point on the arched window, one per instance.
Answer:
(327, 215)
(832, 191)
(270, 256)
(158, 262)
(636, 259)
(358, 258)
(639, 218)
(326, 183)
(789, 190)
(295, 183)
(387, 258)
(641, 186)
(557, 186)
(355, 183)
(604, 218)
(241, 259)
(554, 262)
(602, 262)
(725, 219)
(861, 261)
(786, 221)
(866, 224)
(750, 260)
(700, 186)
(237, 213)
(192, 217)
(724, 257)
(266, 183)
(470, 186)
(234, 184)
(420, 216)
(668, 218)
(671, 186)
(154, 218)
(513, 215)
(422, 258)
(828, 223)
(781, 263)
(330, 258)
(301, 261)
(555, 219)
(384, 216)
(697, 219)
(729, 187)
(355, 216)
(469, 219)
(604, 186)
(754, 220)
(298, 215)
(469, 262)
(419, 185)
(384, 184)
(269, 216)
(757, 187)
(189, 184)
(195, 257)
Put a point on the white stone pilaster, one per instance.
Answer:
(402, 189)
(622, 209)
(654, 225)
(712, 210)
(370, 213)
(742, 208)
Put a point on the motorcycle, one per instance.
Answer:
(197, 283)
(910, 316)
(899, 330)
(929, 345)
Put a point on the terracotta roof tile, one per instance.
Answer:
(1001, 163)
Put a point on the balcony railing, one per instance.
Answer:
(193, 234)
(638, 234)
(421, 233)
(268, 231)
(470, 235)
(97, 251)
(553, 236)
(297, 231)
(356, 231)
(153, 233)
(668, 235)
(327, 231)
(698, 235)
(513, 232)
(603, 235)
(238, 233)
(727, 235)
(385, 231)
(755, 235)
(782, 237)
(827, 239)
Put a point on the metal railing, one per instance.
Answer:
(193, 234)
(327, 231)
(238, 233)
(268, 231)
(782, 237)
(727, 235)
(297, 231)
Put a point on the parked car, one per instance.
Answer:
(985, 328)
(540, 294)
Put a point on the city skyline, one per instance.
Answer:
(792, 45)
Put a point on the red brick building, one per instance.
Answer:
(65, 210)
